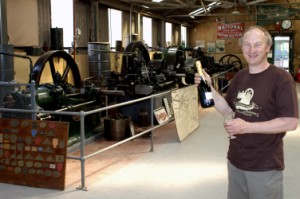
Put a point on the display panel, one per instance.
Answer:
(33, 153)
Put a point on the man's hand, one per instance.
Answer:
(206, 77)
(277, 125)
(236, 126)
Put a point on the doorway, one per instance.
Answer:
(282, 52)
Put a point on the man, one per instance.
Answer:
(263, 98)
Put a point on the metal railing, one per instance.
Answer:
(219, 80)
(82, 114)
(83, 156)
(10, 91)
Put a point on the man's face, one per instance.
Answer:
(255, 47)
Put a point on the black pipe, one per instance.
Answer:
(21, 56)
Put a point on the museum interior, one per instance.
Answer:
(98, 100)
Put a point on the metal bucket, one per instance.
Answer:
(117, 127)
(99, 62)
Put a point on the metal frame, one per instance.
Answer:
(82, 114)
(221, 75)
(83, 156)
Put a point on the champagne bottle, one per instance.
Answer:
(204, 90)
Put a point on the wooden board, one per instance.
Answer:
(185, 107)
(33, 153)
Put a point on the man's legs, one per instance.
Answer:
(265, 185)
(254, 185)
(237, 184)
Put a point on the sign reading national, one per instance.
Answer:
(230, 30)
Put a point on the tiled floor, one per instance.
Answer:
(193, 169)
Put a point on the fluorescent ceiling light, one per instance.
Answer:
(197, 11)
(209, 7)
(213, 3)
(157, 1)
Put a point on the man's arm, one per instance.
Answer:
(274, 126)
(239, 126)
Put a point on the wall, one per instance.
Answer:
(87, 15)
(22, 69)
(207, 31)
(22, 22)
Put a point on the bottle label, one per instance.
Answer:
(208, 95)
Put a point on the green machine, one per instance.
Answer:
(58, 87)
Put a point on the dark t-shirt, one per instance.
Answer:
(255, 98)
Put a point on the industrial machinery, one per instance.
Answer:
(58, 87)
(58, 84)
(141, 75)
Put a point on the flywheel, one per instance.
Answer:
(57, 68)
(140, 50)
(136, 57)
(231, 61)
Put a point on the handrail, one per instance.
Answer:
(82, 114)
(215, 78)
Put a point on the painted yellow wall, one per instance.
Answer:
(22, 69)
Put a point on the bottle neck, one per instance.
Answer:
(199, 68)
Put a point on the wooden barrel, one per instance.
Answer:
(99, 62)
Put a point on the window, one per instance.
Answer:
(62, 17)
(282, 51)
(147, 31)
(115, 26)
(183, 36)
(168, 34)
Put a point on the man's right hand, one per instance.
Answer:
(206, 77)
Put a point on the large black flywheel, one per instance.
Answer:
(57, 68)
(140, 50)
(230, 61)
(135, 57)
(55, 74)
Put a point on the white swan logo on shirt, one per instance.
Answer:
(244, 104)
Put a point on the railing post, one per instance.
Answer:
(33, 102)
(82, 151)
(152, 124)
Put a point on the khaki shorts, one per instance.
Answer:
(254, 185)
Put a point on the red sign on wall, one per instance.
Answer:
(230, 30)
